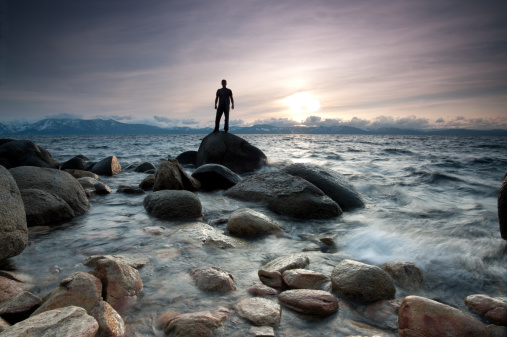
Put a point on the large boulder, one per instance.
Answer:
(215, 176)
(58, 183)
(187, 158)
(362, 282)
(69, 321)
(286, 194)
(170, 204)
(260, 311)
(171, 176)
(271, 273)
(246, 221)
(213, 279)
(107, 167)
(230, 151)
(13, 227)
(494, 309)
(196, 324)
(45, 208)
(76, 163)
(309, 301)
(502, 208)
(25, 153)
(333, 184)
(419, 316)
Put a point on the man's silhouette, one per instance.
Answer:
(224, 97)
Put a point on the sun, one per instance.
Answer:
(302, 103)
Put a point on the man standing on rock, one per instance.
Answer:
(224, 97)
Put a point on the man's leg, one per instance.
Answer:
(217, 119)
(226, 119)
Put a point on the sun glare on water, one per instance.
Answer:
(302, 103)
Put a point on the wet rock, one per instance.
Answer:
(262, 290)
(306, 279)
(383, 314)
(286, 194)
(93, 184)
(170, 204)
(171, 176)
(262, 331)
(495, 331)
(271, 273)
(133, 260)
(260, 311)
(213, 279)
(58, 183)
(78, 289)
(107, 167)
(19, 303)
(146, 166)
(13, 226)
(17, 153)
(502, 208)
(3, 324)
(187, 158)
(69, 321)
(309, 301)
(130, 189)
(110, 322)
(246, 221)
(121, 282)
(154, 230)
(76, 163)
(148, 182)
(45, 208)
(419, 316)
(362, 282)
(9, 288)
(165, 317)
(230, 151)
(215, 177)
(201, 234)
(197, 324)
(406, 274)
(333, 184)
(81, 174)
(494, 309)
(328, 240)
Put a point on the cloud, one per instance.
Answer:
(280, 122)
(64, 115)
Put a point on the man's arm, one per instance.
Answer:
(232, 100)
(216, 100)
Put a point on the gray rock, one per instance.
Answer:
(130, 189)
(171, 176)
(271, 273)
(306, 279)
(110, 322)
(201, 234)
(215, 177)
(362, 282)
(406, 274)
(168, 204)
(260, 311)
(45, 208)
(213, 279)
(76, 163)
(22, 302)
(134, 260)
(81, 174)
(502, 208)
(25, 153)
(69, 321)
(13, 227)
(3, 324)
(196, 324)
(286, 194)
(333, 184)
(246, 221)
(146, 166)
(230, 151)
(309, 301)
(107, 167)
(187, 158)
(94, 185)
(148, 182)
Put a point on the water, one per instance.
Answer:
(430, 200)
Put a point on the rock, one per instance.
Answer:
(262, 290)
(494, 309)
(25, 153)
(213, 279)
(419, 316)
(406, 274)
(81, 174)
(201, 234)
(45, 208)
(107, 167)
(130, 189)
(383, 313)
(133, 260)
(333, 184)
(154, 230)
(56, 182)
(76, 163)
(260, 311)
(69, 321)
(502, 208)
(271, 273)
(309, 301)
(215, 177)
(21, 302)
(3, 324)
(230, 151)
(187, 158)
(197, 324)
(262, 331)
(13, 227)
(286, 194)
(121, 282)
(306, 279)
(362, 282)
(9, 288)
(110, 322)
(148, 182)
(171, 176)
(495, 331)
(170, 204)
(94, 185)
(165, 317)
(78, 289)
(145, 167)
(246, 221)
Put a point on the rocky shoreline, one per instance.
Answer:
(35, 192)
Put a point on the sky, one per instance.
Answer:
(383, 63)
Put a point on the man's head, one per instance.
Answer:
(224, 83)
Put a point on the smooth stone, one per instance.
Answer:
(187, 158)
(306, 279)
(130, 189)
(215, 177)
(494, 309)
(201, 234)
(262, 290)
(44, 208)
(196, 324)
(169, 204)
(406, 274)
(245, 222)
(148, 182)
(22, 302)
(171, 176)
(15, 153)
(107, 167)
(260, 311)
(146, 166)
(110, 322)
(81, 174)
(502, 208)
(9, 288)
(133, 260)
(76, 163)
(309, 301)
(213, 279)
(271, 273)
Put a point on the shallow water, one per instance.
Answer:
(431, 200)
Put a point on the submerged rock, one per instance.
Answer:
(201, 234)
(148, 182)
(215, 177)
(213, 279)
(171, 176)
(407, 274)
(15, 153)
(309, 301)
(502, 208)
(271, 273)
(133, 260)
(130, 189)
(196, 324)
(260, 311)
(146, 166)
(286, 194)
(168, 204)
(107, 167)
(246, 221)
(494, 309)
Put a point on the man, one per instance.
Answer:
(224, 97)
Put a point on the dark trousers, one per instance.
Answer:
(222, 110)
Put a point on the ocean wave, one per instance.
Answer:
(397, 151)
(435, 177)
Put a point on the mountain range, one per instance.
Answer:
(53, 126)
